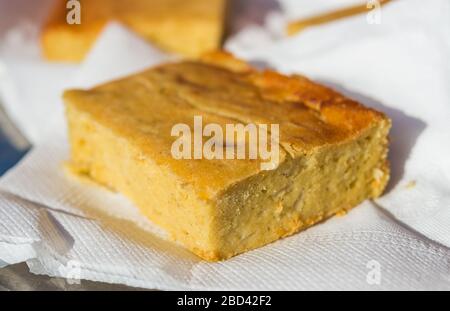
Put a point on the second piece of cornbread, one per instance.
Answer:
(189, 27)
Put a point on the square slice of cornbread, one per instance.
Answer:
(188, 27)
(333, 151)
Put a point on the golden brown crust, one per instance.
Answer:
(227, 61)
(347, 116)
(310, 116)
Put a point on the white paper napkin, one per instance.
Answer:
(64, 227)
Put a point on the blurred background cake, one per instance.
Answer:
(185, 27)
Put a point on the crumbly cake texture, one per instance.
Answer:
(189, 28)
(333, 151)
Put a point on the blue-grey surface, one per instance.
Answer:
(18, 278)
(9, 154)
(13, 145)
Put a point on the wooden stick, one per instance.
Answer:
(297, 26)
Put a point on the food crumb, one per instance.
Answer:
(411, 184)
(341, 213)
